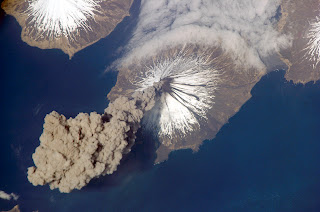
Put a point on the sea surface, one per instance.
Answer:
(265, 159)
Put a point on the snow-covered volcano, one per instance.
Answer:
(201, 88)
(55, 18)
(188, 91)
(69, 25)
(313, 46)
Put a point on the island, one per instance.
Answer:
(179, 91)
(66, 24)
(203, 88)
(301, 20)
(14, 209)
(233, 83)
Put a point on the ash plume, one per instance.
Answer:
(73, 151)
(202, 87)
(242, 34)
(190, 80)
(196, 82)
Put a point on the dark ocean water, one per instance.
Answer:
(265, 159)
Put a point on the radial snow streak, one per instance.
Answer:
(313, 46)
(54, 18)
(189, 83)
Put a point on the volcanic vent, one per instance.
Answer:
(201, 88)
(189, 84)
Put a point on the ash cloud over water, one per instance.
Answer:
(179, 54)
(244, 32)
(75, 150)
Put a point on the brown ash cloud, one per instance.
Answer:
(73, 151)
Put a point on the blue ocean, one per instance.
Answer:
(266, 159)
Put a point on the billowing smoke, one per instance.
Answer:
(203, 51)
(75, 150)
(202, 87)
(245, 28)
(189, 50)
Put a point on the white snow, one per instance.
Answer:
(188, 96)
(313, 46)
(55, 18)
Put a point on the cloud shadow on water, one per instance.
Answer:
(140, 159)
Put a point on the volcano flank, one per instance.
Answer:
(69, 25)
(202, 87)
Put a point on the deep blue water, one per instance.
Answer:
(265, 159)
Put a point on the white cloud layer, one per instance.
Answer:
(244, 28)
(6, 196)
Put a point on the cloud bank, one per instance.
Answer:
(6, 196)
(245, 28)
(75, 150)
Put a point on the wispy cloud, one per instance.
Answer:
(244, 28)
(6, 196)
